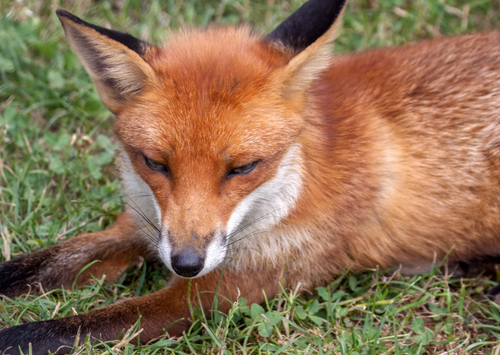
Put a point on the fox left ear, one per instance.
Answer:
(306, 36)
(114, 60)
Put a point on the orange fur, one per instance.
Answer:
(386, 157)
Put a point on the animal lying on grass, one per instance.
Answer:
(256, 159)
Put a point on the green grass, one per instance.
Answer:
(57, 180)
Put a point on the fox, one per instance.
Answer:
(254, 161)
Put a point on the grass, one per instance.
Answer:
(57, 180)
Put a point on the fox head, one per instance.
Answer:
(209, 125)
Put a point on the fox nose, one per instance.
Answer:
(187, 263)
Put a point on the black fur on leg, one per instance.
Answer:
(44, 336)
(58, 335)
(16, 275)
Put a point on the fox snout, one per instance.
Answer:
(194, 255)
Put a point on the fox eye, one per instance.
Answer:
(154, 165)
(244, 169)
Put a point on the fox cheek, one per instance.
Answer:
(271, 202)
(165, 249)
(216, 253)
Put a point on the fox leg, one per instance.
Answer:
(166, 309)
(60, 264)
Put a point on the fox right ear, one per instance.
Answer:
(306, 36)
(114, 60)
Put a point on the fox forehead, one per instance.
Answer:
(230, 134)
(216, 57)
(213, 88)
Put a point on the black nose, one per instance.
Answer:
(187, 263)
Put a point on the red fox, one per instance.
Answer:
(248, 156)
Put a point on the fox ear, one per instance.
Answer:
(306, 36)
(114, 60)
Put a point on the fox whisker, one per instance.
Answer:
(149, 228)
(241, 229)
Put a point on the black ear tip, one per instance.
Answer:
(131, 42)
(307, 24)
(64, 13)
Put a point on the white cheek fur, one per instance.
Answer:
(165, 250)
(215, 254)
(139, 194)
(142, 203)
(272, 201)
(251, 227)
